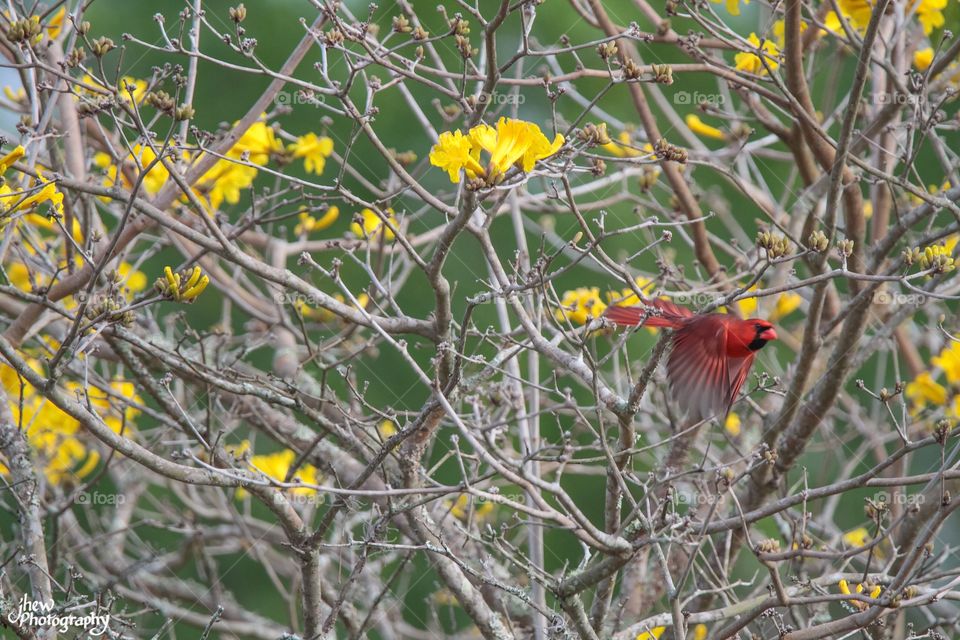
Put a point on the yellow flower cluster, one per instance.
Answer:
(370, 227)
(922, 59)
(276, 466)
(127, 87)
(323, 315)
(140, 156)
(751, 62)
(460, 509)
(229, 176)
(309, 224)
(511, 143)
(699, 633)
(703, 129)
(580, 305)
(314, 150)
(56, 437)
(858, 537)
(28, 196)
(621, 148)
(626, 297)
(875, 592)
(787, 302)
(184, 286)
(925, 390)
(733, 424)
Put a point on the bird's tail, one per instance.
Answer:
(652, 313)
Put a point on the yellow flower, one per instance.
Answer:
(733, 6)
(55, 24)
(461, 508)
(732, 424)
(309, 224)
(371, 226)
(923, 58)
(701, 128)
(10, 158)
(700, 632)
(580, 305)
(18, 96)
(136, 86)
(258, 142)
(184, 286)
(845, 590)
(277, 466)
(621, 148)
(857, 13)
(858, 537)
(780, 34)
(930, 13)
(924, 389)
(51, 433)
(511, 142)
(324, 315)
(453, 152)
(113, 409)
(787, 303)
(626, 297)
(949, 362)
(387, 428)
(747, 307)
(224, 182)
(15, 200)
(653, 634)
(141, 157)
(314, 150)
(134, 280)
(751, 63)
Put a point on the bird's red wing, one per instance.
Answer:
(699, 368)
(668, 308)
(652, 313)
(739, 369)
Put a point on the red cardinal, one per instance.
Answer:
(711, 354)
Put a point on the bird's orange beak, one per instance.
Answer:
(769, 334)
